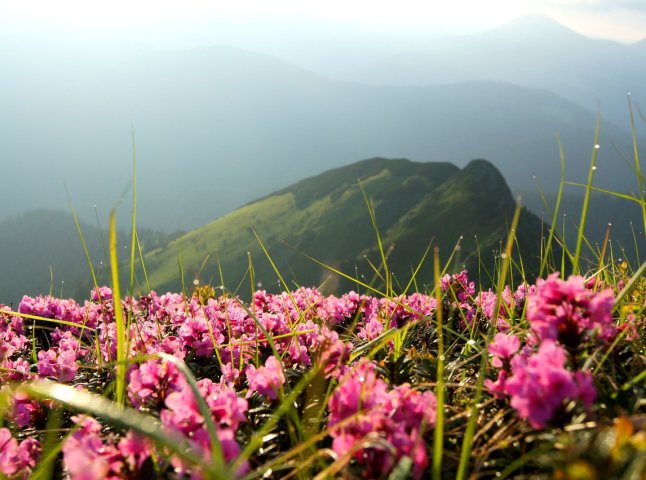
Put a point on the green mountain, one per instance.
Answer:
(41, 252)
(217, 127)
(327, 218)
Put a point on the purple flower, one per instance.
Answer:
(540, 384)
(58, 363)
(101, 294)
(497, 388)
(86, 455)
(134, 449)
(503, 348)
(150, 383)
(17, 460)
(333, 353)
(266, 380)
(15, 371)
(565, 310)
(362, 407)
(8, 453)
(460, 285)
(25, 411)
(227, 409)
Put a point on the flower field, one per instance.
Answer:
(543, 380)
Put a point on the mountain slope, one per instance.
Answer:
(325, 217)
(33, 243)
(533, 51)
(217, 127)
(41, 251)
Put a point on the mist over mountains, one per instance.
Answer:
(218, 126)
(533, 51)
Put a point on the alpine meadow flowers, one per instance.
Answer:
(305, 382)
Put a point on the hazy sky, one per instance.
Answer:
(187, 22)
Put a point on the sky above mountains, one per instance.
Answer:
(195, 22)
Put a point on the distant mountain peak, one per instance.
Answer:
(534, 25)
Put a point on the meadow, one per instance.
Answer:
(536, 379)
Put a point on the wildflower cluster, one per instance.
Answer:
(566, 318)
(371, 421)
(239, 353)
(369, 401)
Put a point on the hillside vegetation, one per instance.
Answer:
(41, 251)
(327, 218)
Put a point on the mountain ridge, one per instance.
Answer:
(211, 137)
(582, 69)
(415, 204)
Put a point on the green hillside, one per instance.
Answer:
(41, 252)
(218, 127)
(326, 218)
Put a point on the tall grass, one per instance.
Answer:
(437, 356)
(122, 337)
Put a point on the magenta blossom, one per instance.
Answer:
(503, 348)
(183, 415)
(567, 311)
(369, 410)
(266, 380)
(150, 383)
(17, 459)
(540, 384)
(58, 363)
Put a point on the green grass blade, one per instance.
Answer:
(467, 442)
(143, 264)
(373, 221)
(586, 199)
(120, 416)
(283, 408)
(638, 172)
(217, 455)
(82, 237)
(44, 319)
(625, 196)
(118, 313)
(355, 279)
(51, 447)
(438, 443)
(641, 271)
(557, 207)
(275, 268)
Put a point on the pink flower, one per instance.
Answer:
(540, 384)
(367, 409)
(15, 371)
(17, 459)
(101, 294)
(9, 459)
(334, 353)
(85, 454)
(565, 310)
(503, 348)
(25, 411)
(497, 388)
(227, 409)
(58, 363)
(460, 286)
(150, 383)
(266, 380)
(135, 449)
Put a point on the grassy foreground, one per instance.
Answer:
(541, 380)
(546, 379)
